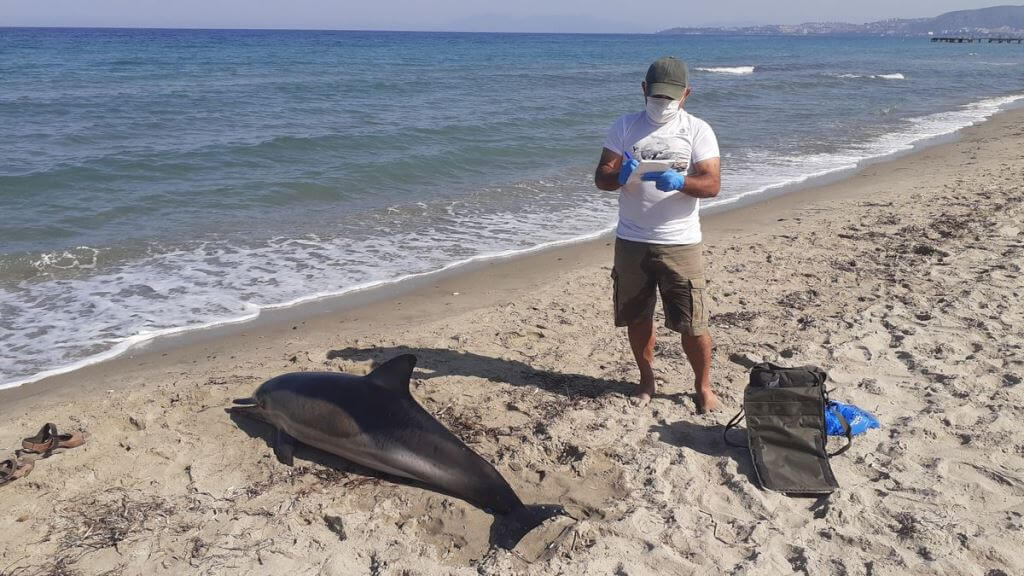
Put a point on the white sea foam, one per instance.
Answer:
(85, 318)
(737, 70)
(893, 76)
(82, 257)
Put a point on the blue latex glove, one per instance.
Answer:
(666, 181)
(628, 165)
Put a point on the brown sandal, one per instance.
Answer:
(13, 468)
(48, 440)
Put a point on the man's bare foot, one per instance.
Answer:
(643, 393)
(708, 402)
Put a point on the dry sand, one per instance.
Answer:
(903, 282)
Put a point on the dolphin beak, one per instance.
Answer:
(249, 410)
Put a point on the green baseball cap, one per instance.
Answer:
(667, 77)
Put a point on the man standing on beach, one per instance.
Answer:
(658, 244)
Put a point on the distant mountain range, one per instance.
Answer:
(993, 21)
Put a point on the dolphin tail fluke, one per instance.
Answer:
(513, 530)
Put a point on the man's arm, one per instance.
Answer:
(606, 177)
(706, 179)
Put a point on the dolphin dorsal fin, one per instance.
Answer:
(395, 373)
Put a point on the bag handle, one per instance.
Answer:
(820, 376)
(847, 431)
(732, 424)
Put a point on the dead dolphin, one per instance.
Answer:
(373, 420)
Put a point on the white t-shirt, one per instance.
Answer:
(647, 214)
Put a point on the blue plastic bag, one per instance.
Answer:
(860, 421)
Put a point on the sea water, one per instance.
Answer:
(156, 181)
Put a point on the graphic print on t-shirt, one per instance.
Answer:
(659, 147)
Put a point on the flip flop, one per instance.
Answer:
(48, 440)
(13, 468)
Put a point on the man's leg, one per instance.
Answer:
(698, 352)
(682, 284)
(641, 340)
(635, 298)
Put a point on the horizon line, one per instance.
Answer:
(713, 31)
(248, 29)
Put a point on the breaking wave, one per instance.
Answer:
(893, 76)
(737, 70)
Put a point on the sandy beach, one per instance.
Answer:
(903, 281)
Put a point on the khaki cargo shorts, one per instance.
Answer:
(677, 271)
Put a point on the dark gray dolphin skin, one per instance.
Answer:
(373, 420)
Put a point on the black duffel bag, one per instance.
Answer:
(785, 411)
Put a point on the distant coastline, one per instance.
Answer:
(995, 21)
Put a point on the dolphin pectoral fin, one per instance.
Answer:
(284, 448)
(395, 373)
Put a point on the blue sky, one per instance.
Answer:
(463, 15)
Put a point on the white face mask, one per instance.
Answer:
(660, 110)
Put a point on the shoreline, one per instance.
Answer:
(367, 293)
(444, 282)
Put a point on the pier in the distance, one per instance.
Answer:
(972, 40)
